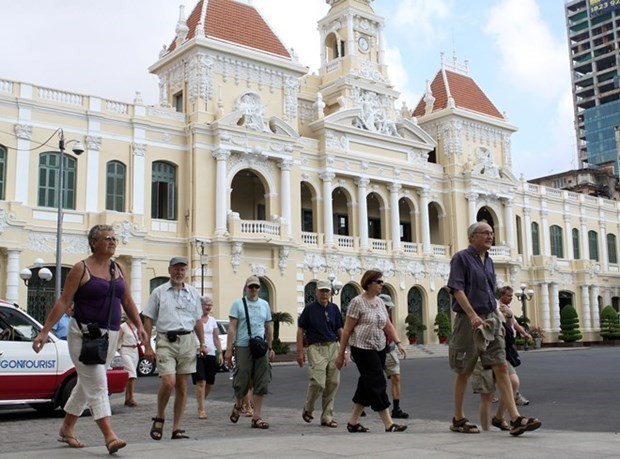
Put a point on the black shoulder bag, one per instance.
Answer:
(94, 343)
(258, 345)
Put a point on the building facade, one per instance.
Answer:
(593, 28)
(250, 165)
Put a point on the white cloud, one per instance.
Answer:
(421, 20)
(532, 58)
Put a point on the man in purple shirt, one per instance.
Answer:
(472, 285)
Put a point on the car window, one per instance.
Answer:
(222, 327)
(15, 326)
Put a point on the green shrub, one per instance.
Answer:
(610, 323)
(414, 325)
(443, 327)
(279, 347)
(569, 324)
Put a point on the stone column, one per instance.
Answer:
(395, 215)
(568, 234)
(12, 275)
(286, 191)
(585, 249)
(544, 301)
(93, 173)
(362, 183)
(381, 55)
(527, 221)
(351, 48)
(594, 308)
(424, 220)
(545, 240)
(472, 204)
(509, 223)
(555, 306)
(136, 280)
(23, 132)
(328, 212)
(604, 257)
(139, 176)
(585, 307)
(221, 190)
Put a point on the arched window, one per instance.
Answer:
(115, 186)
(164, 191)
(557, 244)
(49, 167)
(535, 239)
(2, 172)
(310, 292)
(576, 246)
(593, 245)
(611, 248)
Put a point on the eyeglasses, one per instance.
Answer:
(254, 286)
(486, 233)
(380, 282)
(109, 239)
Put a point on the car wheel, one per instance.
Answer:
(65, 392)
(145, 367)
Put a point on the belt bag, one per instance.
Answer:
(258, 347)
(95, 344)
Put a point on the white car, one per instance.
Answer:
(44, 380)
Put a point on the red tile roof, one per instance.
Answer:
(234, 22)
(465, 92)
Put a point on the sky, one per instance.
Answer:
(516, 49)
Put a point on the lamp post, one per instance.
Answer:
(204, 261)
(44, 275)
(336, 285)
(524, 296)
(78, 149)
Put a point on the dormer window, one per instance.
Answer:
(178, 101)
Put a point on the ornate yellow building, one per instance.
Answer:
(250, 165)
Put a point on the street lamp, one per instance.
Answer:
(335, 283)
(44, 275)
(78, 149)
(204, 261)
(524, 295)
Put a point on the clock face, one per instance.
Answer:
(363, 43)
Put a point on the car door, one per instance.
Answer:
(24, 374)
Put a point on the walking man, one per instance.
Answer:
(392, 365)
(321, 323)
(472, 285)
(175, 308)
(250, 372)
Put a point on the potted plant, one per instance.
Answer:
(538, 335)
(443, 327)
(414, 326)
(569, 324)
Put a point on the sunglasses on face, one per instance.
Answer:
(253, 287)
(380, 282)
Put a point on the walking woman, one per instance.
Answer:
(365, 329)
(128, 343)
(89, 285)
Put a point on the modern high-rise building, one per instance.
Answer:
(594, 37)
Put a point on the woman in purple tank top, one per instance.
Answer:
(88, 288)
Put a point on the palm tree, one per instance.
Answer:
(278, 317)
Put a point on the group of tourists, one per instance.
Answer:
(188, 343)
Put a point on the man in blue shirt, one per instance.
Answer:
(321, 323)
(250, 372)
(472, 285)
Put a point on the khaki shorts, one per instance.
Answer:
(483, 381)
(178, 357)
(463, 353)
(250, 373)
(392, 363)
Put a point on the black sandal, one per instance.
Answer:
(235, 414)
(463, 426)
(157, 432)
(523, 424)
(357, 428)
(179, 435)
(396, 428)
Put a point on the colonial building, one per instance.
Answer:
(250, 165)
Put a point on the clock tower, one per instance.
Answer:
(352, 56)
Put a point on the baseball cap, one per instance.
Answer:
(252, 280)
(324, 285)
(178, 261)
(387, 300)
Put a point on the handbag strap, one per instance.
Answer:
(247, 317)
(112, 290)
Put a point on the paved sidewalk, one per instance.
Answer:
(289, 437)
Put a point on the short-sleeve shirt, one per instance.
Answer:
(174, 309)
(477, 280)
(259, 312)
(208, 327)
(321, 323)
(371, 320)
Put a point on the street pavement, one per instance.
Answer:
(29, 436)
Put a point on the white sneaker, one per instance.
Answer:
(520, 400)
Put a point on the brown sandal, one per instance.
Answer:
(501, 424)
(259, 424)
(157, 432)
(523, 424)
(463, 426)
(332, 424)
(307, 416)
(114, 445)
(72, 442)
(235, 414)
